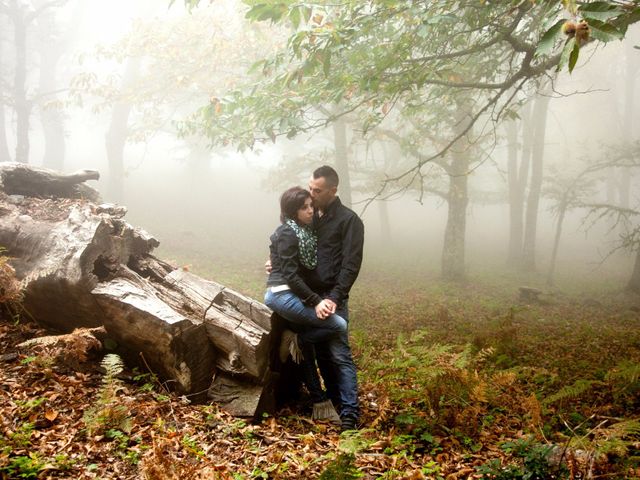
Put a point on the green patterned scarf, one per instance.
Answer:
(308, 244)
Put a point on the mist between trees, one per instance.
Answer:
(544, 185)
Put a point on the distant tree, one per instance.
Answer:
(23, 17)
(578, 189)
(170, 66)
(567, 191)
(426, 130)
(538, 133)
(5, 156)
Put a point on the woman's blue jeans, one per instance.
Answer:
(312, 330)
(338, 370)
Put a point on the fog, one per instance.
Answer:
(218, 207)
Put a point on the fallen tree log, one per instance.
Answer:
(82, 265)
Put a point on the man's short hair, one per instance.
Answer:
(328, 173)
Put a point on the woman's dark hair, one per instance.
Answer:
(291, 201)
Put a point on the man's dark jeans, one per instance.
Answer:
(338, 370)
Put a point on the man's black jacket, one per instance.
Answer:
(340, 240)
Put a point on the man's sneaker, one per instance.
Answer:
(349, 422)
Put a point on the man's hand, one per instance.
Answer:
(323, 309)
(332, 305)
(267, 266)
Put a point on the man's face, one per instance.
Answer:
(321, 194)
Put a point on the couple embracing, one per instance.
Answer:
(315, 257)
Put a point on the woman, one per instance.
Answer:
(292, 249)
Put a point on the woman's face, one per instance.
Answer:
(305, 213)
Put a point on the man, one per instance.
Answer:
(340, 242)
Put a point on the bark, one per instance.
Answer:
(342, 160)
(5, 156)
(628, 131)
(82, 265)
(385, 225)
(116, 136)
(556, 243)
(453, 251)
(22, 105)
(634, 281)
(539, 117)
(625, 187)
(516, 197)
(528, 127)
(51, 117)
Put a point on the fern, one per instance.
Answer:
(10, 287)
(342, 468)
(113, 366)
(575, 390)
(626, 373)
(108, 413)
(617, 439)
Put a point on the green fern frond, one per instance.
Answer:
(112, 363)
(570, 391)
(626, 372)
(107, 412)
(113, 366)
(618, 438)
(625, 429)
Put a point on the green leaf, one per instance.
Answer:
(548, 40)
(294, 16)
(573, 57)
(566, 52)
(264, 11)
(605, 32)
(447, 18)
(602, 16)
(596, 7)
(326, 64)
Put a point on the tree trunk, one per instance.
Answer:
(537, 156)
(116, 136)
(634, 281)
(5, 156)
(453, 251)
(628, 130)
(22, 104)
(556, 243)
(83, 266)
(516, 197)
(385, 225)
(342, 160)
(51, 117)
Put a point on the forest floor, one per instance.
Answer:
(456, 381)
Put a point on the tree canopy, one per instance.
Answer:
(373, 58)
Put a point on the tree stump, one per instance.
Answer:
(529, 294)
(82, 265)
